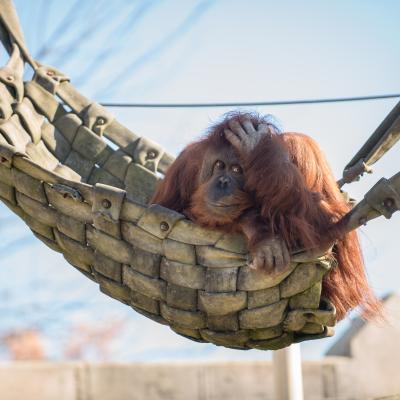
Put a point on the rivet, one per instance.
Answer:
(388, 203)
(151, 154)
(10, 78)
(50, 73)
(363, 221)
(164, 226)
(101, 121)
(106, 203)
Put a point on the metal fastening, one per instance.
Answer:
(388, 203)
(164, 226)
(106, 203)
(10, 78)
(151, 154)
(100, 121)
(67, 192)
(363, 221)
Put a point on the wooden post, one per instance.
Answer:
(288, 378)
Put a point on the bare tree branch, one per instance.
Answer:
(161, 46)
(66, 23)
(113, 47)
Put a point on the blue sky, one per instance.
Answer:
(207, 51)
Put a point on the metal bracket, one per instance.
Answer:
(107, 201)
(354, 172)
(384, 198)
(96, 118)
(49, 77)
(67, 191)
(7, 152)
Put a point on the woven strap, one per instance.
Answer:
(10, 30)
(87, 198)
(82, 181)
(379, 143)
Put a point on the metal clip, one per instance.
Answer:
(354, 172)
(384, 198)
(67, 191)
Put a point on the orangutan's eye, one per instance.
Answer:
(236, 169)
(219, 164)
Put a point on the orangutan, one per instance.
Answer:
(278, 190)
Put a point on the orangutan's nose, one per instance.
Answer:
(224, 181)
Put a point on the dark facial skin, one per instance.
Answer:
(225, 178)
(220, 193)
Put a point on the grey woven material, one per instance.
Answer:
(82, 181)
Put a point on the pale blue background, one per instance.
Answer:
(203, 51)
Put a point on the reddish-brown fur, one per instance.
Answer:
(293, 192)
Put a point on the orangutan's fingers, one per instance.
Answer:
(257, 262)
(272, 129)
(286, 254)
(263, 129)
(249, 127)
(269, 260)
(272, 255)
(232, 139)
(237, 129)
(278, 257)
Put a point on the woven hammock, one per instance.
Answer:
(82, 181)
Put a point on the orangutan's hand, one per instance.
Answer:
(270, 255)
(244, 137)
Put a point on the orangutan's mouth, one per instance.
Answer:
(223, 205)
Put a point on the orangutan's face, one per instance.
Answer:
(220, 193)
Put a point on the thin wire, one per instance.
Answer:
(251, 103)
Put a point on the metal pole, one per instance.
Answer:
(287, 373)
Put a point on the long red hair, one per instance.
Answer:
(346, 285)
(297, 197)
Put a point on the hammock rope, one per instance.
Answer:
(88, 200)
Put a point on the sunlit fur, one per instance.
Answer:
(291, 187)
(346, 285)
